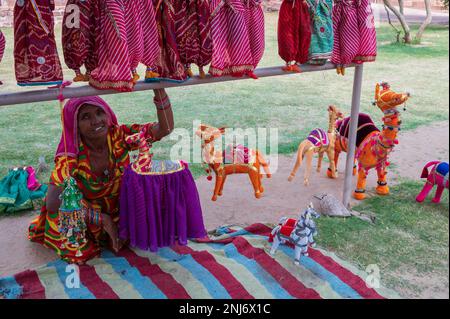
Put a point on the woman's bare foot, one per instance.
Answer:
(111, 229)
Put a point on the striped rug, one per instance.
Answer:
(233, 264)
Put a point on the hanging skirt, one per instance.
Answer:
(346, 32)
(168, 65)
(113, 69)
(35, 53)
(193, 32)
(367, 32)
(237, 28)
(160, 208)
(78, 37)
(142, 33)
(2, 48)
(322, 31)
(294, 31)
(2, 45)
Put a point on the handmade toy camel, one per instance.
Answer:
(438, 176)
(373, 146)
(241, 161)
(319, 142)
(299, 232)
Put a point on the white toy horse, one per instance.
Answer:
(299, 232)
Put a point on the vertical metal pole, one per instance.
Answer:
(356, 102)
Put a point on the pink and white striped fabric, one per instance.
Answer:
(237, 28)
(346, 32)
(366, 24)
(2, 47)
(142, 32)
(355, 35)
(126, 38)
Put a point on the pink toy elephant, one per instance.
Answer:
(438, 176)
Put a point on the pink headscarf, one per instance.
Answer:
(71, 123)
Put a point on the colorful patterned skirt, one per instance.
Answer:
(237, 28)
(193, 32)
(366, 24)
(321, 47)
(35, 53)
(160, 208)
(78, 37)
(169, 65)
(127, 36)
(354, 30)
(294, 31)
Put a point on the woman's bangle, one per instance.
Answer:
(162, 103)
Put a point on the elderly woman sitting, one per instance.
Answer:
(96, 154)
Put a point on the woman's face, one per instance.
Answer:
(92, 122)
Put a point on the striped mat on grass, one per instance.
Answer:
(233, 264)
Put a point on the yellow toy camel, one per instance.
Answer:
(320, 142)
(373, 146)
(236, 159)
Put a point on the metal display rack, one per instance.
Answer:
(69, 92)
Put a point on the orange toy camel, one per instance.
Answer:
(243, 161)
(320, 142)
(373, 146)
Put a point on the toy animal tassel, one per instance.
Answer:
(72, 226)
(373, 145)
(299, 232)
(438, 176)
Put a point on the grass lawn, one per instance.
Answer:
(408, 240)
(293, 104)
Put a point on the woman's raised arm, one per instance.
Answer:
(165, 123)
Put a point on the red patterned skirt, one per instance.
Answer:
(78, 37)
(294, 31)
(35, 53)
(193, 32)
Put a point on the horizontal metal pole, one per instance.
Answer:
(86, 90)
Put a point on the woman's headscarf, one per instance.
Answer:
(71, 123)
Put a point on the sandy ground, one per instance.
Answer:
(239, 206)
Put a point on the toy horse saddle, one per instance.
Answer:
(237, 154)
(286, 229)
(442, 169)
(318, 138)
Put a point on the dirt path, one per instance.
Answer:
(238, 204)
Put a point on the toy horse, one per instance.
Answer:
(373, 146)
(299, 232)
(251, 165)
(319, 142)
(438, 176)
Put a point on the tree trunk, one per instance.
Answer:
(425, 23)
(407, 38)
(401, 5)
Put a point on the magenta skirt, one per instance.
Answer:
(160, 209)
